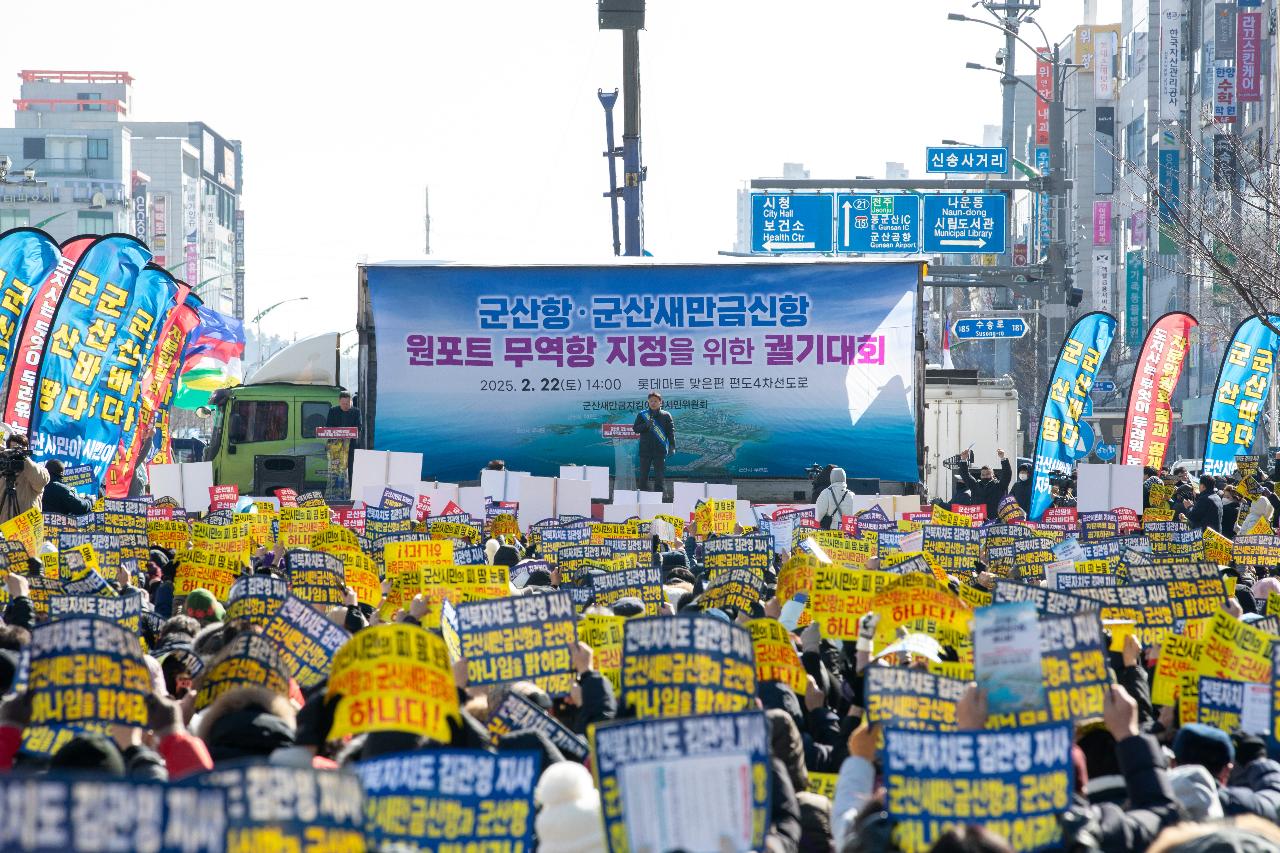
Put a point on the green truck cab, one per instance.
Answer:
(264, 436)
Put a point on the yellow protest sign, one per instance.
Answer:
(1159, 495)
(776, 658)
(504, 525)
(1261, 527)
(228, 540)
(299, 524)
(453, 530)
(947, 518)
(400, 558)
(1095, 567)
(921, 605)
(359, 572)
(951, 669)
(823, 784)
(168, 534)
(1229, 584)
(677, 525)
(603, 633)
(601, 531)
(27, 528)
(841, 596)
(394, 678)
(456, 583)
(1217, 548)
(1178, 656)
(202, 570)
(261, 530)
(1152, 513)
(796, 576)
(1235, 651)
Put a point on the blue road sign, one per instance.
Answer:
(1088, 408)
(989, 328)
(783, 223)
(1104, 386)
(955, 159)
(877, 223)
(1105, 452)
(973, 223)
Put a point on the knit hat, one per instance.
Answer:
(204, 606)
(569, 819)
(1195, 789)
(490, 549)
(1207, 746)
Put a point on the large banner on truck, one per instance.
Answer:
(766, 368)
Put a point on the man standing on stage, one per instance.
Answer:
(657, 441)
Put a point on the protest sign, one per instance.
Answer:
(316, 577)
(124, 610)
(732, 588)
(399, 558)
(84, 669)
(250, 660)
(519, 638)
(27, 528)
(306, 640)
(603, 633)
(574, 560)
(947, 518)
(920, 604)
(976, 513)
(200, 570)
(275, 807)
(78, 813)
(842, 596)
(1234, 705)
(1256, 551)
(223, 496)
(455, 583)
(1015, 783)
(299, 524)
(644, 584)
(170, 535)
(911, 698)
(1179, 656)
(1235, 650)
(736, 552)
(1032, 557)
(256, 598)
(1006, 657)
(1074, 665)
(1098, 525)
(1217, 548)
(228, 540)
(358, 572)
(658, 773)
(393, 678)
(516, 713)
(674, 666)
(450, 799)
(776, 657)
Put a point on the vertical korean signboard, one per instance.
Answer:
(1104, 151)
(1249, 56)
(1171, 62)
(191, 230)
(1224, 94)
(1102, 279)
(239, 260)
(1102, 223)
(1134, 279)
(160, 229)
(1170, 177)
(1044, 88)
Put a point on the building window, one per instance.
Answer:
(1135, 142)
(14, 219)
(89, 96)
(33, 148)
(99, 149)
(96, 222)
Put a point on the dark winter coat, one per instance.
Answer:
(650, 446)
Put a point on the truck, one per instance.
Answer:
(767, 367)
(963, 411)
(264, 432)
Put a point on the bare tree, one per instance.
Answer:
(1225, 220)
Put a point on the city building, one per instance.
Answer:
(80, 164)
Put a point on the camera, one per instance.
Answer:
(12, 460)
(813, 471)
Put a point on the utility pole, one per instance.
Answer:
(628, 16)
(1002, 355)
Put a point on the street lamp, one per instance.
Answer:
(257, 321)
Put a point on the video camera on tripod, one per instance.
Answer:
(12, 461)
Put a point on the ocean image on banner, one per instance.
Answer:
(766, 368)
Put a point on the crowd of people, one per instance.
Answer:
(1143, 780)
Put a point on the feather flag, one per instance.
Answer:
(212, 359)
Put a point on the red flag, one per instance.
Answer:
(1148, 424)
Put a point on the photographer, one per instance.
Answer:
(58, 497)
(19, 473)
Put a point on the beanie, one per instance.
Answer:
(89, 751)
(1207, 746)
(569, 819)
(1195, 789)
(204, 606)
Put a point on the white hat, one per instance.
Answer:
(569, 820)
(1195, 789)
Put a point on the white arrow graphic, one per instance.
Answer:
(769, 247)
(978, 243)
(847, 207)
